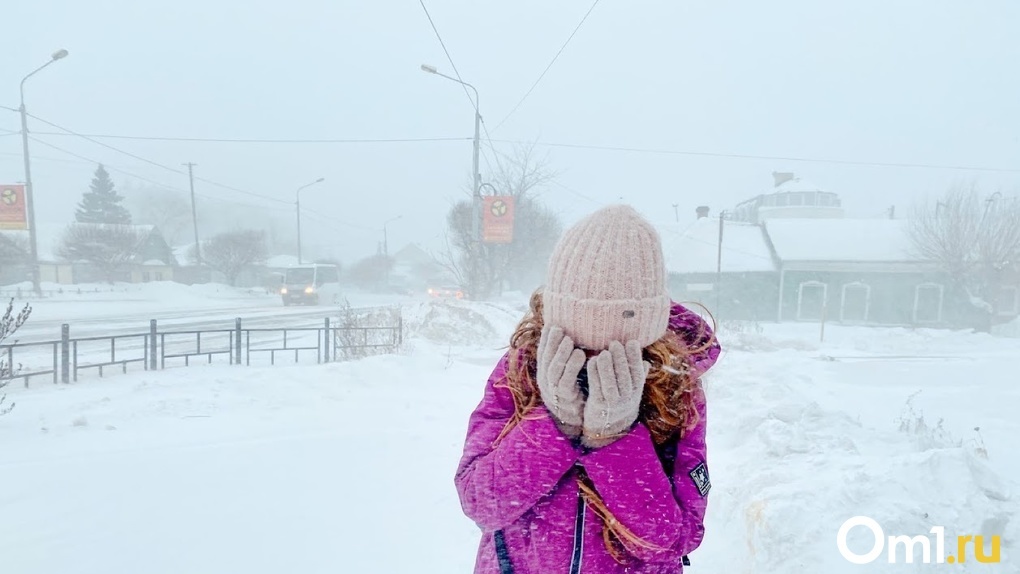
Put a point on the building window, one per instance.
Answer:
(796, 199)
(811, 199)
(928, 303)
(1009, 301)
(812, 299)
(782, 200)
(146, 277)
(159, 275)
(856, 303)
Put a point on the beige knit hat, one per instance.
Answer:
(607, 281)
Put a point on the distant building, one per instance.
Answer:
(791, 255)
(790, 197)
(745, 276)
(154, 260)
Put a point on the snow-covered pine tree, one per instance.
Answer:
(102, 203)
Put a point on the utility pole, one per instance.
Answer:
(477, 177)
(29, 189)
(676, 211)
(297, 204)
(718, 273)
(30, 201)
(194, 213)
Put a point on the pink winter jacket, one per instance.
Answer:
(523, 492)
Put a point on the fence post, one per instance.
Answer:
(325, 342)
(237, 339)
(152, 345)
(65, 353)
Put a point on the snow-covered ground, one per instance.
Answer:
(348, 467)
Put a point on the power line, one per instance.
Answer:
(157, 164)
(448, 57)
(86, 160)
(546, 70)
(769, 157)
(519, 142)
(262, 140)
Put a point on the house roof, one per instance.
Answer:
(796, 185)
(842, 240)
(412, 254)
(696, 248)
(281, 261)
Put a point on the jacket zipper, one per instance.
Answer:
(578, 553)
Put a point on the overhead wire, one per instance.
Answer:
(160, 185)
(546, 70)
(768, 157)
(265, 140)
(155, 163)
(564, 145)
(448, 57)
(474, 104)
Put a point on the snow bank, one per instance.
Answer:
(789, 472)
(457, 322)
(1011, 329)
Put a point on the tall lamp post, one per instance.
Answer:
(298, 203)
(385, 237)
(29, 192)
(475, 175)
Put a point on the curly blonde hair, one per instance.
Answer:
(668, 406)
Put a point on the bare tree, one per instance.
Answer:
(170, 211)
(231, 252)
(484, 269)
(108, 248)
(9, 324)
(13, 249)
(974, 239)
(371, 272)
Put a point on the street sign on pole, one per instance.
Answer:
(13, 209)
(498, 220)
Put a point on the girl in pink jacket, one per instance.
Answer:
(587, 452)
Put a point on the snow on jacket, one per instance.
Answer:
(525, 487)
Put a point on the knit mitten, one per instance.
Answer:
(616, 380)
(558, 366)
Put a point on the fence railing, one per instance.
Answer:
(160, 349)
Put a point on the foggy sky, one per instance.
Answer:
(912, 81)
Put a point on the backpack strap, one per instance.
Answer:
(502, 554)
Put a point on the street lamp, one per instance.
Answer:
(298, 203)
(385, 239)
(29, 195)
(477, 177)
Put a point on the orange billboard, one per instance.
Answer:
(498, 219)
(13, 210)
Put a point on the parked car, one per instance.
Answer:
(316, 284)
(447, 292)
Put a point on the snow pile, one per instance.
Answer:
(751, 337)
(1011, 329)
(791, 472)
(454, 322)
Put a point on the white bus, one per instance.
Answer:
(315, 284)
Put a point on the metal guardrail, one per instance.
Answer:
(153, 349)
